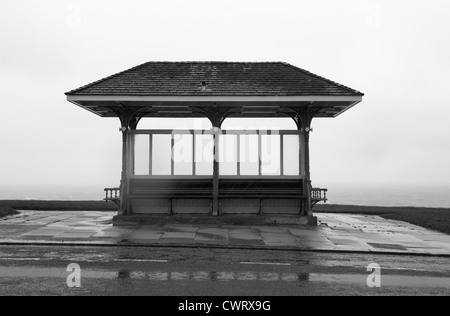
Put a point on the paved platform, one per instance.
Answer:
(336, 232)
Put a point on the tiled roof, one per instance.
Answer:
(215, 79)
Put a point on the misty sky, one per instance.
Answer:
(395, 51)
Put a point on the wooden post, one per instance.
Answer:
(238, 154)
(216, 115)
(259, 153)
(124, 202)
(281, 155)
(194, 165)
(131, 154)
(307, 187)
(304, 118)
(172, 154)
(150, 168)
(216, 172)
(129, 121)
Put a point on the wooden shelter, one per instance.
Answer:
(185, 172)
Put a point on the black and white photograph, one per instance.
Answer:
(224, 156)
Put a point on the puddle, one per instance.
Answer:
(228, 276)
(386, 280)
(406, 264)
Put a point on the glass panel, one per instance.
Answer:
(249, 155)
(204, 155)
(162, 155)
(141, 155)
(291, 155)
(228, 155)
(270, 155)
(183, 154)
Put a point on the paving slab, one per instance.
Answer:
(317, 245)
(317, 238)
(211, 237)
(44, 232)
(108, 234)
(336, 232)
(268, 229)
(144, 236)
(219, 231)
(245, 237)
(74, 235)
(183, 229)
(178, 235)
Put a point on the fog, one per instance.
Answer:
(396, 52)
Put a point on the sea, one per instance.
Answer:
(363, 195)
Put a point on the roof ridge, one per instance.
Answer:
(323, 78)
(106, 78)
(209, 62)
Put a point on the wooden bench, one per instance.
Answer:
(264, 188)
(189, 188)
(229, 189)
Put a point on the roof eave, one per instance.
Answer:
(347, 108)
(210, 98)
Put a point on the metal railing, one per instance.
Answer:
(318, 195)
(112, 195)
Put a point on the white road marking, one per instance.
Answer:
(82, 260)
(21, 259)
(140, 260)
(408, 269)
(266, 263)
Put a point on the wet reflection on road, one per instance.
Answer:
(213, 276)
(356, 279)
(89, 275)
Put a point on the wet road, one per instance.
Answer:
(27, 270)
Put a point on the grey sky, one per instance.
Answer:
(395, 51)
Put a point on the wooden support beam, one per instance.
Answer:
(238, 154)
(132, 154)
(216, 115)
(282, 155)
(129, 120)
(304, 117)
(151, 155)
(259, 154)
(307, 181)
(124, 203)
(194, 166)
(216, 172)
(172, 154)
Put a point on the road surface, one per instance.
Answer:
(37, 270)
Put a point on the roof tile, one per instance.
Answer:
(220, 78)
